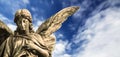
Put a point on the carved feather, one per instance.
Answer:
(54, 23)
(5, 32)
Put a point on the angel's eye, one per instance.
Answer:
(23, 21)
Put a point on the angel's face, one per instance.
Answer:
(23, 24)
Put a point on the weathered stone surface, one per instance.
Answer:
(54, 23)
(24, 42)
(4, 32)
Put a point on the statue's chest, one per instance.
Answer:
(24, 40)
(20, 42)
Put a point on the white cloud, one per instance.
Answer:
(52, 2)
(59, 35)
(114, 2)
(102, 34)
(83, 6)
(66, 55)
(72, 26)
(8, 22)
(26, 1)
(60, 49)
(37, 22)
(34, 9)
(12, 27)
(3, 18)
(11, 7)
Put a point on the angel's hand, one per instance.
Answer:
(30, 46)
(36, 49)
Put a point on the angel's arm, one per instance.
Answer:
(54, 23)
(4, 32)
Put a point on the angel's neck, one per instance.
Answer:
(21, 32)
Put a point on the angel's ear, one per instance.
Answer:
(54, 23)
(5, 32)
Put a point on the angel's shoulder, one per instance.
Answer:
(35, 35)
(7, 39)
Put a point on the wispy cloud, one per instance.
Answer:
(37, 24)
(13, 5)
(37, 21)
(3, 18)
(60, 50)
(26, 1)
(100, 33)
(99, 37)
(59, 35)
(12, 27)
(8, 22)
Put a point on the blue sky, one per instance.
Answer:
(93, 31)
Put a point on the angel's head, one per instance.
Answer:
(23, 20)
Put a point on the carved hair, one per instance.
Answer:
(25, 14)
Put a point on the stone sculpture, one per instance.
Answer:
(25, 42)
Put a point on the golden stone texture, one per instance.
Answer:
(25, 42)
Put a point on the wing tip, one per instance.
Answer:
(71, 9)
(75, 7)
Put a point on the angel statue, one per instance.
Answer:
(24, 41)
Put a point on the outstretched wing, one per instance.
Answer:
(4, 32)
(54, 23)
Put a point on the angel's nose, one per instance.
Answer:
(23, 25)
